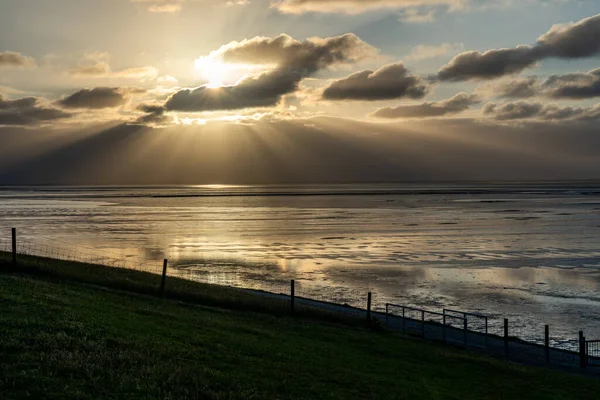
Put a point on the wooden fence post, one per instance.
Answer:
(14, 247)
(547, 342)
(293, 295)
(582, 355)
(387, 310)
(369, 306)
(164, 278)
(506, 337)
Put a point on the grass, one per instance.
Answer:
(147, 283)
(142, 282)
(62, 338)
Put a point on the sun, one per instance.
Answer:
(211, 70)
(218, 73)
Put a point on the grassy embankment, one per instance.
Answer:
(63, 338)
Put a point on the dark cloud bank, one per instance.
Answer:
(323, 150)
(33, 111)
(572, 86)
(546, 112)
(96, 98)
(28, 111)
(459, 103)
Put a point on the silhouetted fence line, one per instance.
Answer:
(428, 323)
(467, 329)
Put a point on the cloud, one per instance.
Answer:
(417, 15)
(155, 114)
(286, 52)
(523, 110)
(167, 80)
(96, 98)
(488, 65)
(103, 70)
(517, 89)
(392, 81)
(355, 6)
(572, 86)
(96, 70)
(262, 91)
(423, 52)
(567, 41)
(572, 40)
(175, 6)
(459, 103)
(136, 73)
(28, 111)
(290, 61)
(18, 60)
(161, 6)
(582, 85)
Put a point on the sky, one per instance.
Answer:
(301, 91)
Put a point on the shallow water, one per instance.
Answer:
(527, 252)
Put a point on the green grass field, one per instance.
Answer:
(63, 339)
(143, 282)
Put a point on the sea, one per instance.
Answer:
(529, 252)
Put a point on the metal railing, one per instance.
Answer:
(480, 321)
(429, 324)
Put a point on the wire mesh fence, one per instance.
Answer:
(264, 277)
(84, 256)
(452, 326)
(5, 245)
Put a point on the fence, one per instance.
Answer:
(476, 325)
(450, 326)
(427, 324)
(80, 254)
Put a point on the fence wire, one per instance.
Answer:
(233, 274)
(5, 245)
(81, 255)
